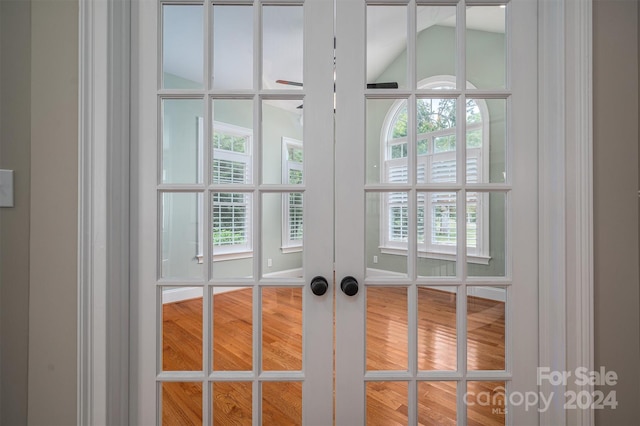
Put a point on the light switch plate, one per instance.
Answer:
(6, 188)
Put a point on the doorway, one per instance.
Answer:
(248, 189)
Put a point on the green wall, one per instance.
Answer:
(180, 154)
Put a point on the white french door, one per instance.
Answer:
(461, 344)
(301, 256)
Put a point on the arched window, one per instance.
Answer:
(436, 161)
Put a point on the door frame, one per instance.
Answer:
(104, 265)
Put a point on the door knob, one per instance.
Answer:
(349, 286)
(319, 285)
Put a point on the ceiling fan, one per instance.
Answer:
(388, 85)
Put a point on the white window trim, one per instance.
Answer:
(477, 255)
(288, 245)
(238, 251)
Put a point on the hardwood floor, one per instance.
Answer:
(387, 330)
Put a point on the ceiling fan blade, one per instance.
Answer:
(290, 83)
(390, 85)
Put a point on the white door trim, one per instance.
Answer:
(566, 195)
(103, 213)
(566, 199)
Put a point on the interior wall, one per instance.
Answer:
(15, 102)
(180, 210)
(616, 253)
(52, 34)
(54, 205)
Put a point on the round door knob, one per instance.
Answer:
(319, 285)
(349, 286)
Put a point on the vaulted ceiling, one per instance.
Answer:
(283, 40)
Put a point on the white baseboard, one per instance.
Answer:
(287, 273)
(178, 294)
(492, 293)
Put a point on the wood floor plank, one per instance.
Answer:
(282, 349)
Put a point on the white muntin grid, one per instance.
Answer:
(254, 188)
(461, 282)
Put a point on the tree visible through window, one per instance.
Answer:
(231, 210)
(436, 144)
(292, 174)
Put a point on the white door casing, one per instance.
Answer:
(104, 51)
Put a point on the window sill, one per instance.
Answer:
(291, 249)
(227, 256)
(477, 259)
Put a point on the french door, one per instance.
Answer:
(337, 208)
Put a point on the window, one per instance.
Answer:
(436, 163)
(231, 211)
(292, 227)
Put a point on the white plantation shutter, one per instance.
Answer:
(437, 211)
(397, 203)
(436, 163)
(293, 205)
(230, 220)
(473, 200)
(230, 216)
(295, 218)
(443, 219)
(443, 168)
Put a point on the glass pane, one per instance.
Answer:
(232, 328)
(486, 234)
(387, 233)
(486, 140)
(182, 47)
(181, 403)
(387, 328)
(232, 403)
(437, 328)
(436, 234)
(231, 223)
(436, 136)
(437, 403)
(232, 47)
(180, 235)
(436, 42)
(232, 142)
(182, 140)
(387, 44)
(282, 328)
(182, 329)
(485, 403)
(387, 123)
(282, 234)
(387, 403)
(281, 403)
(282, 125)
(292, 162)
(486, 328)
(282, 47)
(486, 47)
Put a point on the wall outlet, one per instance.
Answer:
(269, 263)
(375, 259)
